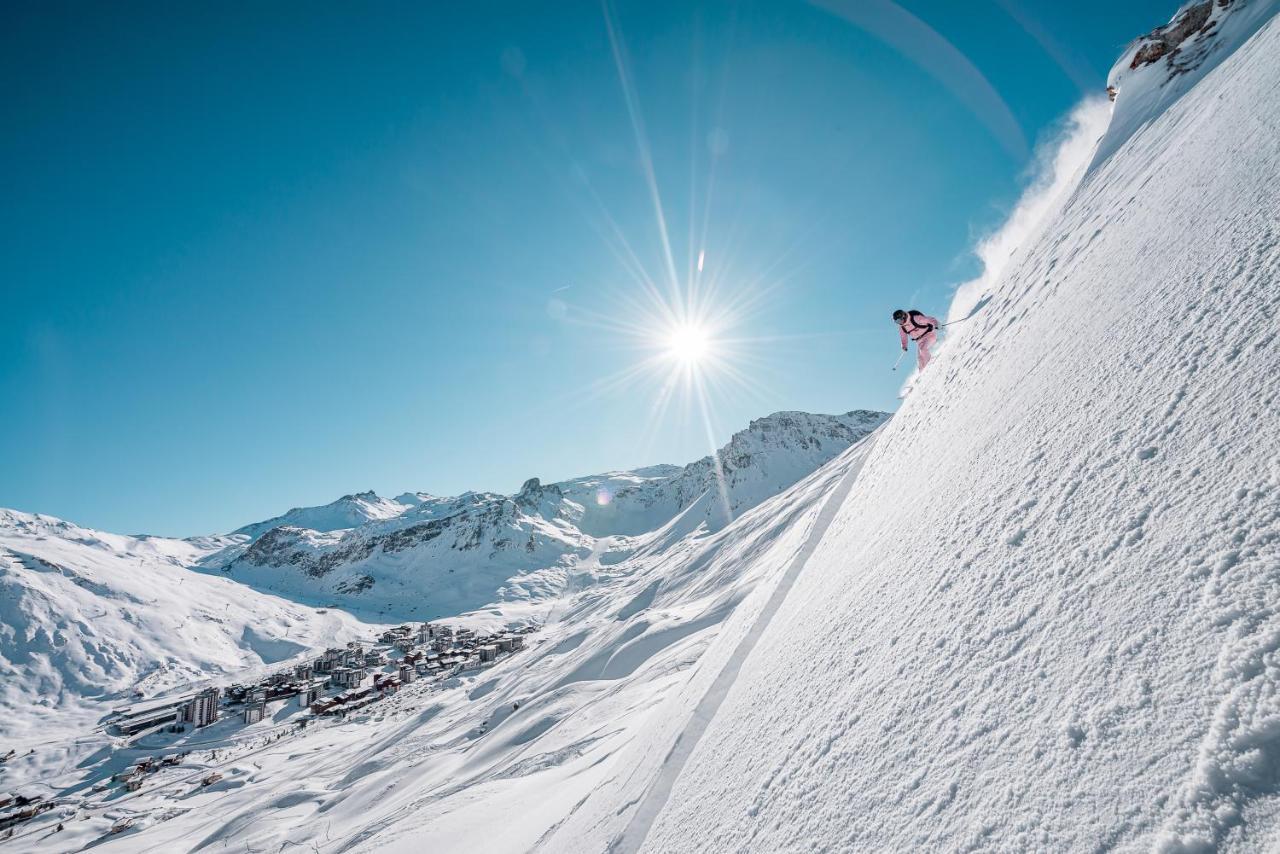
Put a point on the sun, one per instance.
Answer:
(688, 343)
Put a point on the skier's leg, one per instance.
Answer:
(922, 349)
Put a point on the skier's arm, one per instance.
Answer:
(902, 334)
(933, 321)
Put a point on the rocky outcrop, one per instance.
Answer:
(1166, 42)
(1157, 69)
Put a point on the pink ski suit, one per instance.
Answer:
(922, 329)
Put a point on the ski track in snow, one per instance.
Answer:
(632, 838)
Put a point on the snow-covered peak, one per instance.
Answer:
(778, 449)
(800, 432)
(1160, 67)
(413, 499)
(348, 511)
(771, 454)
(534, 498)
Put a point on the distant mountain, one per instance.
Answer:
(90, 619)
(759, 462)
(347, 512)
(619, 618)
(430, 556)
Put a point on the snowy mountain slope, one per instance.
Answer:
(1067, 635)
(349, 511)
(89, 620)
(436, 768)
(445, 556)
(770, 455)
(1039, 610)
(1165, 64)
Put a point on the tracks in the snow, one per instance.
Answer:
(655, 798)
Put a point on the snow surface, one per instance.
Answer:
(1066, 634)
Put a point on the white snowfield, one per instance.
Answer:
(1048, 615)
(91, 622)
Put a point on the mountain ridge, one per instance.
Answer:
(802, 429)
(460, 552)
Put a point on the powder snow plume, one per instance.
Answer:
(1058, 165)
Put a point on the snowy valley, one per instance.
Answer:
(107, 635)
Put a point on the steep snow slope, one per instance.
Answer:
(441, 556)
(1065, 633)
(89, 620)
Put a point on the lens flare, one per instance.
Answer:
(688, 343)
(701, 337)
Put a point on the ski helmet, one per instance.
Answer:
(899, 316)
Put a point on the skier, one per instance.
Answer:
(920, 328)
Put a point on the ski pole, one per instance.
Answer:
(900, 355)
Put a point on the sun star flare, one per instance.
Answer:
(688, 343)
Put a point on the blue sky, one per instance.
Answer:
(260, 256)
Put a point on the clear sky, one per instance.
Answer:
(261, 255)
